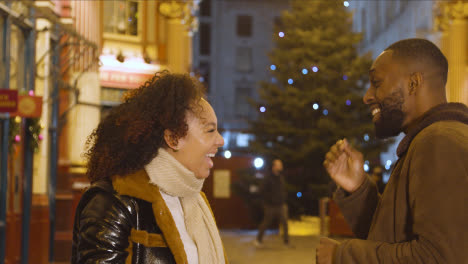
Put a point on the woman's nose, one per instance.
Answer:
(220, 140)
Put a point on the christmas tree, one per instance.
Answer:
(314, 97)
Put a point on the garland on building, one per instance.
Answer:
(14, 134)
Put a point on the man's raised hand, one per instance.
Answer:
(344, 164)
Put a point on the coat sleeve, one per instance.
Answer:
(358, 207)
(103, 231)
(438, 184)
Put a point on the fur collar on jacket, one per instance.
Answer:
(442, 112)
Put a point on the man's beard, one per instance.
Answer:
(391, 116)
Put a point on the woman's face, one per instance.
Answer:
(201, 143)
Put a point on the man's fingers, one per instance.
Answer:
(352, 152)
(330, 157)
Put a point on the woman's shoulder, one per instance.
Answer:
(101, 200)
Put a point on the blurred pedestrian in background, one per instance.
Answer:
(273, 191)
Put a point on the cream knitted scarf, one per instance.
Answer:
(174, 179)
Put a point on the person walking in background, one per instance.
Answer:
(421, 216)
(147, 162)
(273, 191)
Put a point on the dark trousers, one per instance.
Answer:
(270, 213)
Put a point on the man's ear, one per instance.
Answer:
(171, 140)
(415, 82)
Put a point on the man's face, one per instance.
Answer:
(386, 96)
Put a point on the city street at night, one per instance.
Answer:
(233, 131)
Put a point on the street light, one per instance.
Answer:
(258, 163)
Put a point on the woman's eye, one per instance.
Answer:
(211, 130)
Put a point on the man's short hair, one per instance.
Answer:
(416, 49)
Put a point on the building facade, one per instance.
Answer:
(41, 51)
(230, 54)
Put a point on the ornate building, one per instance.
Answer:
(76, 57)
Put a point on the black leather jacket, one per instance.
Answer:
(103, 223)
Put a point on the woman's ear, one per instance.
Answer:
(171, 140)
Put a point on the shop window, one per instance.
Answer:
(242, 106)
(244, 26)
(205, 39)
(278, 22)
(364, 24)
(205, 8)
(204, 71)
(376, 25)
(121, 17)
(244, 59)
(403, 4)
(389, 12)
(110, 97)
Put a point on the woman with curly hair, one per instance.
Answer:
(147, 161)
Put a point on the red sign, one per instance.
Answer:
(8, 100)
(121, 79)
(29, 106)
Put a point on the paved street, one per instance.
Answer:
(304, 238)
(240, 249)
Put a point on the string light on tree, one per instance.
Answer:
(305, 71)
(322, 88)
(227, 154)
(388, 164)
(299, 194)
(366, 167)
(366, 137)
(201, 79)
(346, 3)
(273, 67)
(262, 109)
(348, 102)
(281, 34)
(290, 81)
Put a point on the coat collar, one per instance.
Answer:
(442, 112)
(137, 185)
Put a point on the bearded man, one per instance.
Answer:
(422, 215)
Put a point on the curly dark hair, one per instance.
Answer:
(130, 136)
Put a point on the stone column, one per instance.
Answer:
(84, 118)
(178, 47)
(457, 89)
